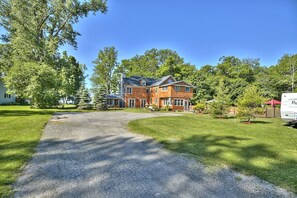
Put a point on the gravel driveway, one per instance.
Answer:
(93, 155)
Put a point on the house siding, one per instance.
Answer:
(138, 93)
(157, 95)
(6, 100)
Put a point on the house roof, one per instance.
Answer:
(135, 80)
(111, 96)
(162, 80)
(177, 82)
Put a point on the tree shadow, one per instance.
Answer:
(126, 166)
(251, 159)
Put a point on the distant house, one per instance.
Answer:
(139, 92)
(5, 98)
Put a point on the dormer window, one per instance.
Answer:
(143, 82)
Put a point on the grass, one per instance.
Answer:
(267, 148)
(20, 132)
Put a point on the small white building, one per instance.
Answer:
(5, 98)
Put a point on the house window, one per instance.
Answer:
(178, 102)
(165, 88)
(109, 102)
(156, 90)
(131, 103)
(7, 95)
(166, 101)
(129, 90)
(187, 89)
(156, 100)
(142, 102)
(143, 82)
(147, 90)
(177, 88)
(116, 102)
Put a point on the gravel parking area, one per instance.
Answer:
(94, 155)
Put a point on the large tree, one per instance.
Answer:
(35, 31)
(37, 28)
(103, 72)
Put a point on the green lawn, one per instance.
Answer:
(20, 131)
(266, 148)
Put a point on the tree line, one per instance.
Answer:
(233, 73)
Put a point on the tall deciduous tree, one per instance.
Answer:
(103, 73)
(71, 74)
(35, 30)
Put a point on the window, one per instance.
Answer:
(143, 82)
(156, 90)
(165, 88)
(166, 101)
(131, 103)
(116, 102)
(187, 89)
(147, 90)
(129, 90)
(142, 102)
(6, 95)
(178, 102)
(156, 100)
(177, 88)
(109, 102)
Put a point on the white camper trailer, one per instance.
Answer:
(289, 107)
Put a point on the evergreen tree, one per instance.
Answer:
(84, 98)
(219, 107)
(249, 103)
(100, 99)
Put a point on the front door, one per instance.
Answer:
(186, 105)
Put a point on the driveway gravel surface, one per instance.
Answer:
(94, 155)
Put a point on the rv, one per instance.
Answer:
(289, 107)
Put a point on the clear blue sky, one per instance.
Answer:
(200, 31)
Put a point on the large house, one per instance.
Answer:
(139, 92)
(5, 98)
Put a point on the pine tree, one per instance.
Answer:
(84, 98)
(249, 103)
(100, 99)
(219, 107)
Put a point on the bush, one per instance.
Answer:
(166, 108)
(200, 107)
(154, 107)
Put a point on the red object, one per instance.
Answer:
(273, 102)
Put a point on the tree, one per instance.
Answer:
(37, 28)
(249, 103)
(35, 31)
(220, 105)
(38, 82)
(103, 73)
(100, 99)
(84, 98)
(71, 75)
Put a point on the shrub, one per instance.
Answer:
(200, 107)
(166, 108)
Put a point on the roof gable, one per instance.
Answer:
(164, 80)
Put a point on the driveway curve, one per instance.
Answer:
(93, 155)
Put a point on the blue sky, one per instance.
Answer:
(200, 31)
